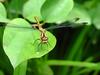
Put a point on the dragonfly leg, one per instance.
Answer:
(35, 41)
(39, 46)
(48, 44)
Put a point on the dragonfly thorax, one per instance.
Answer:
(44, 38)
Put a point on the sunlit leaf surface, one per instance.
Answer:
(32, 8)
(21, 44)
(56, 10)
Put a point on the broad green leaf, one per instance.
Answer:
(4, 20)
(21, 69)
(97, 22)
(1, 72)
(15, 6)
(56, 10)
(21, 44)
(39, 67)
(3, 13)
(96, 17)
(32, 8)
(79, 12)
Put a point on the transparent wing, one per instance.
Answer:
(15, 26)
(65, 25)
(55, 26)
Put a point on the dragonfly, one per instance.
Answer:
(39, 26)
(53, 27)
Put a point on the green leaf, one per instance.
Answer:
(15, 6)
(40, 67)
(21, 69)
(21, 44)
(97, 22)
(1, 72)
(4, 20)
(56, 10)
(96, 16)
(3, 13)
(32, 8)
(79, 12)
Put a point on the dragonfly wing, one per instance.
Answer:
(59, 26)
(15, 26)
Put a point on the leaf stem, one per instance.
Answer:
(21, 69)
(94, 66)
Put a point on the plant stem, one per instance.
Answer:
(21, 69)
(94, 66)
